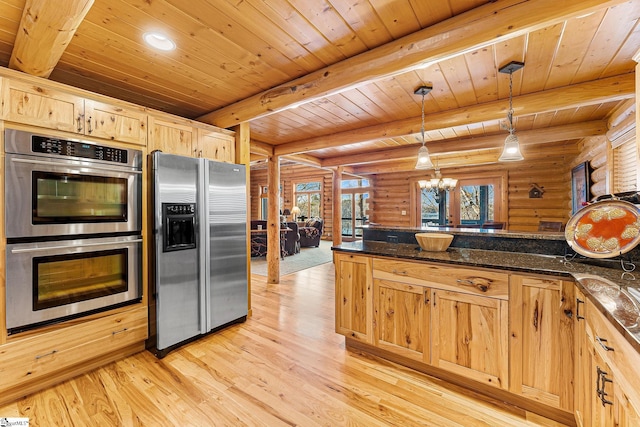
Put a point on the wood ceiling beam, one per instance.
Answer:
(536, 136)
(46, 28)
(480, 27)
(465, 159)
(574, 96)
(305, 159)
(262, 148)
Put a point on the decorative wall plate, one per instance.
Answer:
(604, 229)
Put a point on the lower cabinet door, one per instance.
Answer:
(626, 412)
(354, 305)
(542, 340)
(401, 318)
(602, 396)
(470, 336)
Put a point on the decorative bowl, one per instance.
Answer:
(434, 242)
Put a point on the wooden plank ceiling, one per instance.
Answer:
(332, 81)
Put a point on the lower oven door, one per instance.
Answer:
(53, 281)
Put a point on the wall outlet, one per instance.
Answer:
(403, 213)
(392, 239)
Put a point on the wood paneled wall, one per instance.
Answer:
(289, 175)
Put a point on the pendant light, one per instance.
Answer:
(511, 151)
(424, 160)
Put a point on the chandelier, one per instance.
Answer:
(424, 161)
(438, 184)
(511, 151)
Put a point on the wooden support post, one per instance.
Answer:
(336, 195)
(243, 157)
(273, 220)
(636, 58)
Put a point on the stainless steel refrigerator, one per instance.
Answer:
(198, 280)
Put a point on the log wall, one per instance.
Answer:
(547, 166)
(290, 174)
(549, 169)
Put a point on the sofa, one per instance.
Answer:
(290, 243)
(311, 232)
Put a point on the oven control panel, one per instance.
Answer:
(62, 147)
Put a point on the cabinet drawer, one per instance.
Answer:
(31, 358)
(615, 349)
(457, 279)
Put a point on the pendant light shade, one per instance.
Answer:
(511, 150)
(424, 160)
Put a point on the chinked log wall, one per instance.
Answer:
(289, 176)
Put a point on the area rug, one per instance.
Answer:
(307, 258)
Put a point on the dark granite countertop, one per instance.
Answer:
(584, 271)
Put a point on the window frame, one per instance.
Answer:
(499, 181)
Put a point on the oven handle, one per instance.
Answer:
(40, 162)
(86, 245)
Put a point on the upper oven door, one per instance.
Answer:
(57, 197)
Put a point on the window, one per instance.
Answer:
(625, 162)
(355, 207)
(476, 204)
(473, 202)
(476, 201)
(434, 210)
(308, 198)
(354, 183)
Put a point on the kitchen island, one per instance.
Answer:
(508, 323)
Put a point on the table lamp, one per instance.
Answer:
(295, 211)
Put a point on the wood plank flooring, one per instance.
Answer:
(284, 367)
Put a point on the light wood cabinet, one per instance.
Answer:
(459, 279)
(470, 337)
(115, 122)
(542, 339)
(401, 318)
(582, 368)
(25, 362)
(42, 106)
(612, 397)
(171, 137)
(602, 393)
(354, 292)
(626, 412)
(174, 135)
(214, 145)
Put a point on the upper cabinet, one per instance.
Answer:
(46, 107)
(115, 122)
(215, 145)
(180, 136)
(173, 137)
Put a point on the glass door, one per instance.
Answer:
(354, 208)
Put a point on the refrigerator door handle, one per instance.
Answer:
(203, 227)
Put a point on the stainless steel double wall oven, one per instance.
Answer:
(73, 226)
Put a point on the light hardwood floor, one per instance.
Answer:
(285, 366)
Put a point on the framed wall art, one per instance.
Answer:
(580, 186)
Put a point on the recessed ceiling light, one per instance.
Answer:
(159, 41)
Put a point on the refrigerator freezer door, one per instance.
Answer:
(227, 233)
(176, 287)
